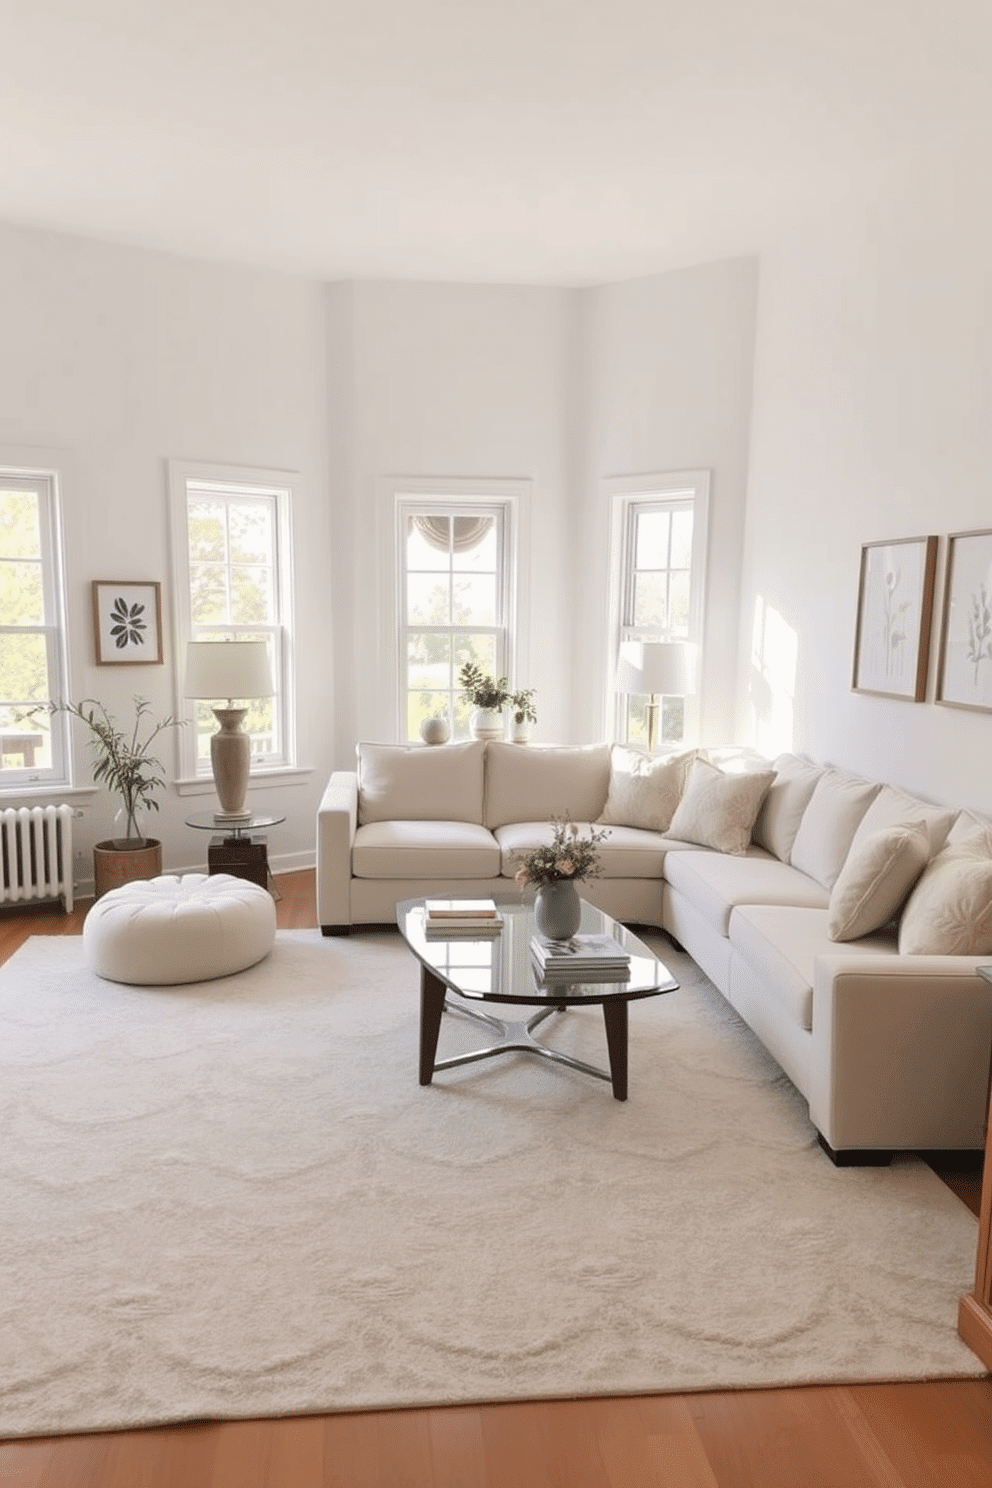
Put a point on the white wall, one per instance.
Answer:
(873, 385)
(667, 387)
(450, 381)
(125, 358)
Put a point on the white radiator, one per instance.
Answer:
(36, 853)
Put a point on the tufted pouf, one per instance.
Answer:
(162, 931)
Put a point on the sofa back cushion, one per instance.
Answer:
(644, 788)
(411, 782)
(787, 798)
(534, 782)
(719, 809)
(893, 807)
(828, 825)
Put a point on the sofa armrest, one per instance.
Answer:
(901, 1048)
(337, 822)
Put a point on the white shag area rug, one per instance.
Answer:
(234, 1200)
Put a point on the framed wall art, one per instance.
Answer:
(895, 613)
(127, 622)
(964, 676)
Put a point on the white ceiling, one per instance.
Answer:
(546, 141)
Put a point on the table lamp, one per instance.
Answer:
(656, 669)
(231, 669)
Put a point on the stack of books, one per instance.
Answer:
(472, 918)
(584, 958)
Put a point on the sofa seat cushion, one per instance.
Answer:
(537, 781)
(780, 944)
(424, 849)
(628, 852)
(716, 883)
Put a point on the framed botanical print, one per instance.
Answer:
(964, 676)
(895, 613)
(127, 622)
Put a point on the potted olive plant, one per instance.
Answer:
(122, 760)
(522, 713)
(488, 696)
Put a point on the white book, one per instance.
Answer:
(581, 950)
(460, 909)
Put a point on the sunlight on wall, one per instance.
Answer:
(774, 647)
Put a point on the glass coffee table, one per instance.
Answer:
(499, 969)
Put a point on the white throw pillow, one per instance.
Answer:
(874, 882)
(949, 913)
(719, 810)
(782, 809)
(838, 803)
(645, 788)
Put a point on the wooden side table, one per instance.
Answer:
(975, 1310)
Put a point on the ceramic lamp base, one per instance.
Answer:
(230, 758)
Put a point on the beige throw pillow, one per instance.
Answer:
(875, 880)
(644, 788)
(719, 810)
(949, 913)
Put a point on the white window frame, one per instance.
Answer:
(45, 481)
(508, 498)
(627, 496)
(195, 776)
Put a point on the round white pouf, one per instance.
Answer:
(159, 932)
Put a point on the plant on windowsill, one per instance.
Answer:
(522, 713)
(122, 760)
(488, 696)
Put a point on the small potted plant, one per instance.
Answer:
(522, 713)
(488, 696)
(556, 867)
(124, 763)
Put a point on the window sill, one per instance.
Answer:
(42, 791)
(203, 785)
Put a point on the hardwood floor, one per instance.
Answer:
(894, 1436)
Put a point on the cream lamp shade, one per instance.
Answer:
(229, 669)
(658, 669)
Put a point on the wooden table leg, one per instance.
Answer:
(615, 1018)
(431, 1011)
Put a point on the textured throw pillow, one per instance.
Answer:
(644, 788)
(719, 810)
(874, 882)
(949, 913)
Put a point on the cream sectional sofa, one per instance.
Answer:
(774, 887)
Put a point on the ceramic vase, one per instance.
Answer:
(487, 723)
(435, 731)
(520, 733)
(558, 909)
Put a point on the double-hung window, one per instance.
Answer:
(455, 602)
(660, 540)
(233, 582)
(32, 631)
